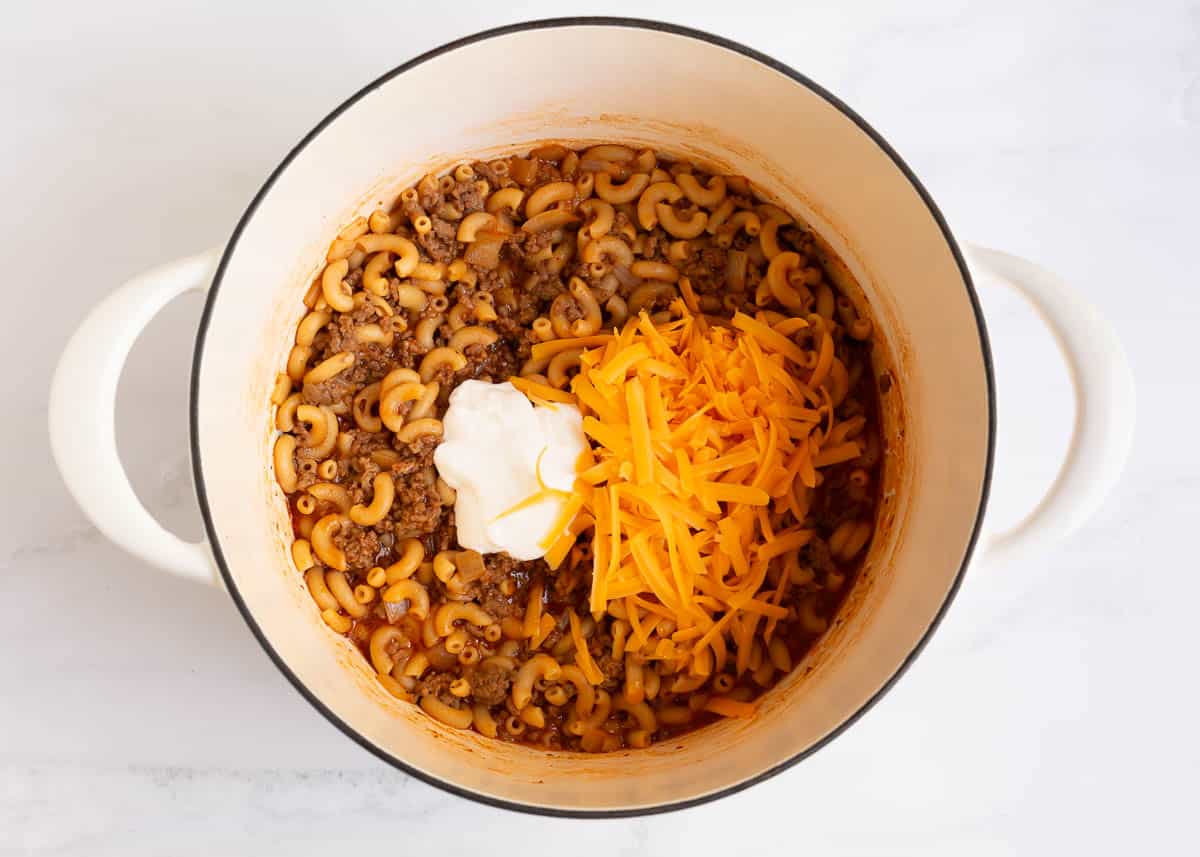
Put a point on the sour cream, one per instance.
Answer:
(495, 442)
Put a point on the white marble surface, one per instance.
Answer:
(138, 716)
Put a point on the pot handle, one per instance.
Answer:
(1104, 405)
(82, 409)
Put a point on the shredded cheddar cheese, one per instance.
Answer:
(705, 442)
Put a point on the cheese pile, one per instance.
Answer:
(704, 438)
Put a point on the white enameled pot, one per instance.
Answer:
(689, 94)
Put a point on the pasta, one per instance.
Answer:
(731, 489)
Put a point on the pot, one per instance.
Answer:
(679, 91)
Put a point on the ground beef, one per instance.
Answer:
(467, 196)
(792, 237)
(439, 242)
(447, 379)
(714, 259)
(836, 503)
(547, 172)
(489, 280)
(548, 271)
(567, 580)
(445, 537)
(371, 363)
(362, 315)
(513, 322)
(444, 229)
(371, 360)
(363, 443)
(485, 172)
(306, 467)
(580, 270)
(499, 567)
(429, 197)
(340, 389)
(489, 684)
(437, 684)
(707, 270)
(362, 486)
(816, 555)
(448, 211)
(499, 605)
(612, 668)
(495, 362)
(361, 546)
(415, 456)
(509, 327)
(571, 310)
(532, 244)
(417, 508)
(655, 244)
(406, 353)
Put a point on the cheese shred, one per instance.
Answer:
(706, 439)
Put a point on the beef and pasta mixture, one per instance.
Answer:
(730, 487)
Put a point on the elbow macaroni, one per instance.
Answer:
(582, 243)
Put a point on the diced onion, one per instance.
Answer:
(395, 610)
(626, 276)
(470, 565)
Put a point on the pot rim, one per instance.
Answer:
(545, 24)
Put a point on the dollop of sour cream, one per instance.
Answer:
(495, 444)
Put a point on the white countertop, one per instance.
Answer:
(138, 715)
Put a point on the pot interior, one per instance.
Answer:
(696, 99)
